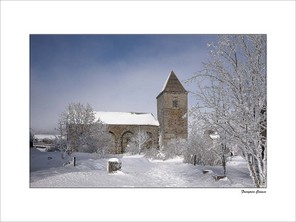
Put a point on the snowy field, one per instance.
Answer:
(47, 170)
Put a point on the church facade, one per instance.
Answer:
(171, 122)
(123, 126)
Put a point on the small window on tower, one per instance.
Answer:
(175, 103)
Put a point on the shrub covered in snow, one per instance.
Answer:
(154, 153)
(174, 148)
(201, 150)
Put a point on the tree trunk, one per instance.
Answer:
(253, 171)
(224, 164)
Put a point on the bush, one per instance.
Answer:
(174, 148)
(52, 149)
(154, 153)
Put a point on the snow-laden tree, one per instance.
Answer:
(138, 141)
(77, 123)
(231, 97)
(201, 148)
(99, 140)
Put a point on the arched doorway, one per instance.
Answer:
(126, 138)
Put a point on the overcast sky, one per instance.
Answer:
(110, 72)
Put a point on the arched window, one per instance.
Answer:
(126, 138)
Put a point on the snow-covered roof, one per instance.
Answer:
(166, 82)
(114, 160)
(126, 118)
(44, 136)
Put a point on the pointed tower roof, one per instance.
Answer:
(172, 84)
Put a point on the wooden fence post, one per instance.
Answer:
(194, 160)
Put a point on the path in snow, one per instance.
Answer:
(137, 171)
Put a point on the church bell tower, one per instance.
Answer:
(172, 110)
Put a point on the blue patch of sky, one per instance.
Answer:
(111, 72)
(78, 51)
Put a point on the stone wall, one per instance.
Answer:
(172, 116)
(122, 134)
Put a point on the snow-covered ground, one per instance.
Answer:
(47, 170)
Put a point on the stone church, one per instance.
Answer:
(172, 123)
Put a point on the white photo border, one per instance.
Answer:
(19, 19)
